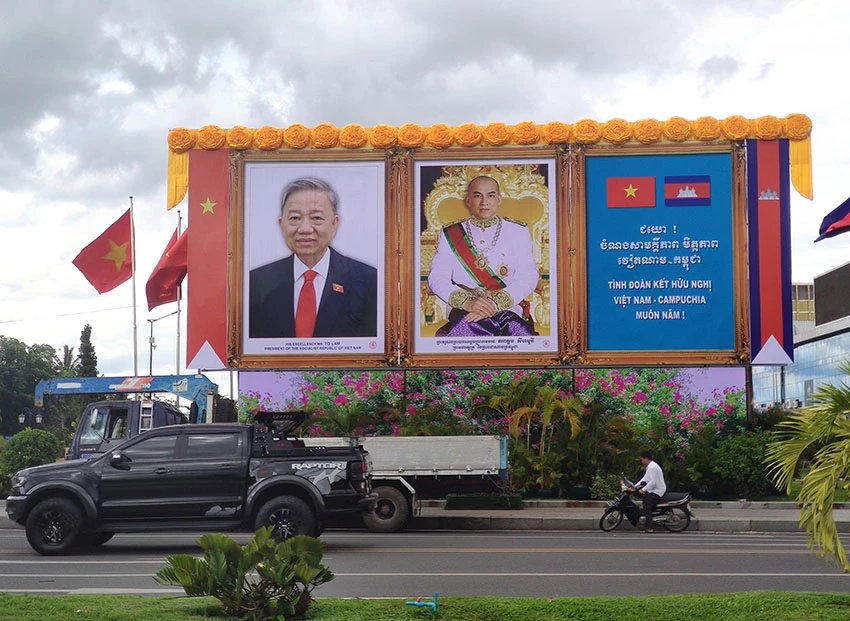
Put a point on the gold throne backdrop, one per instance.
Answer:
(525, 198)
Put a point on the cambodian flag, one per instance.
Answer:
(687, 191)
(836, 221)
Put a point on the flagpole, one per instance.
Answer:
(179, 232)
(135, 328)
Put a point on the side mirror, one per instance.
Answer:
(119, 460)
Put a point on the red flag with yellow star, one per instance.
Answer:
(108, 260)
(208, 210)
(631, 191)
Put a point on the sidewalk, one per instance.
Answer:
(726, 517)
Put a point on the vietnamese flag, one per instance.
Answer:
(108, 260)
(631, 191)
(163, 285)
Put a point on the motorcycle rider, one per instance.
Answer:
(652, 487)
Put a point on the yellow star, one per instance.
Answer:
(116, 253)
(208, 206)
(630, 191)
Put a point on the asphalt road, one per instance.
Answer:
(492, 563)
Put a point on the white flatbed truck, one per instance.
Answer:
(408, 469)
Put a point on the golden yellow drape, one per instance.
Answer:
(178, 177)
(801, 166)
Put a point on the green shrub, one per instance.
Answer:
(31, 447)
(261, 580)
(605, 486)
(739, 460)
(700, 459)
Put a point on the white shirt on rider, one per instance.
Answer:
(653, 480)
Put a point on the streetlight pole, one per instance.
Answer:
(28, 418)
(152, 341)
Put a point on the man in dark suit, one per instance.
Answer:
(315, 291)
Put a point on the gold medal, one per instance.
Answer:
(503, 270)
(481, 262)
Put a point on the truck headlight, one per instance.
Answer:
(18, 482)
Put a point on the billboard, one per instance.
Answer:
(530, 245)
(660, 263)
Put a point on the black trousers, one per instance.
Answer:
(650, 501)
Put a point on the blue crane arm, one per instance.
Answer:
(194, 387)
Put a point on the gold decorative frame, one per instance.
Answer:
(576, 350)
(237, 358)
(521, 187)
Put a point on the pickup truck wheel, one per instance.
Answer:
(288, 516)
(54, 526)
(391, 512)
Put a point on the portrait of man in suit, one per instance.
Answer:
(316, 291)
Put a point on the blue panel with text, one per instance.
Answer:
(660, 274)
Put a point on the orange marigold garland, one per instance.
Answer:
(525, 132)
(735, 127)
(797, 126)
(181, 139)
(296, 136)
(268, 138)
(353, 136)
(617, 131)
(383, 136)
(496, 134)
(239, 137)
(324, 135)
(440, 136)
(767, 128)
(468, 135)
(706, 128)
(411, 135)
(556, 133)
(677, 129)
(211, 137)
(587, 131)
(647, 131)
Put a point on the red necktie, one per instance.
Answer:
(305, 313)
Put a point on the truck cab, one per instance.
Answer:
(107, 423)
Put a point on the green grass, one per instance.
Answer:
(755, 606)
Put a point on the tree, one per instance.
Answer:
(87, 358)
(21, 368)
(822, 432)
(69, 364)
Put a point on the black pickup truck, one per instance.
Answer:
(210, 477)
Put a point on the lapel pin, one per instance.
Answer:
(338, 288)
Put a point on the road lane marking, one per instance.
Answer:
(643, 551)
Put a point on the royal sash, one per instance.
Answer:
(466, 253)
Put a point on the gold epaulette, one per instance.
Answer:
(520, 222)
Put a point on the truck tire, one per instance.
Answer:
(288, 516)
(54, 526)
(391, 512)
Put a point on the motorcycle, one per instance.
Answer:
(671, 513)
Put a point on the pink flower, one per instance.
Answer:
(341, 399)
(640, 397)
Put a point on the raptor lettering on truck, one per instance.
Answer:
(328, 466)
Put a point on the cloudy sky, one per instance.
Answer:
(89, 90)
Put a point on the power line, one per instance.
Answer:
(87, 312)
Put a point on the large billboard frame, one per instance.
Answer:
(544, 351)
(579, 349)
(328, 352)
(567, 184)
